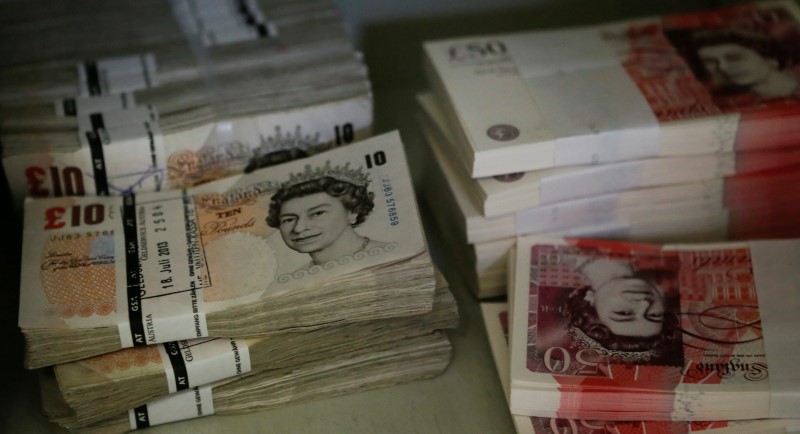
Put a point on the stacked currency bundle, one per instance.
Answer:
(94, 391)
(269, 275)
(644, 130)
(384, 365)
(619, 331)
(203, 90)
(496, 321)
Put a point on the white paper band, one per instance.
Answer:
(116, 118)
(550, 52)
(775, 266)
(164, 273)
(573, 74)
(81, 105)
(590, 181)
(114, 75)
(216, 22)
(576, 213)
(189, 404)
(202, 361)
(126, 149)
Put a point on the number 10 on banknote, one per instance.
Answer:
(671, 328)
(154, 264)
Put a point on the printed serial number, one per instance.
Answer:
(388, 194)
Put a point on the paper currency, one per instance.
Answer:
(107, 59)
(382, 365)
(618, 92)
(483, 257)
(168, 109)
(505, 194)
(495, 317)
(103, 386)
(157, 267)
(683, 332)
(751, 205)
(155, 162)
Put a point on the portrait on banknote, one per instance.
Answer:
(631, 314)
(612, 308)
(745, 56)
(317, 213)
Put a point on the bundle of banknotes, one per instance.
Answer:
(305, 280)
(676, 128)
(203, 90)
(496, 317)
(612, 333)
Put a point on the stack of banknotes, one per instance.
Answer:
(305, 280)
(643, 338)
(675, 128)
(204, 89)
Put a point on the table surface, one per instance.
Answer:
(467, 398)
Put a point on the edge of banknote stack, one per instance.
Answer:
(167, 275)
(210, 90)
(547, 146)
(708, 345)
(614, 131)
(295, 324)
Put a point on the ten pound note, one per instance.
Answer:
(123, 151)
(335, 237)
(620, 331)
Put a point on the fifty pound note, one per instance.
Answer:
(497, 328)
(156, 264)
(671, 330)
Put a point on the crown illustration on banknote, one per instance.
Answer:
(343, 173)
(287, 141)
(585, 341)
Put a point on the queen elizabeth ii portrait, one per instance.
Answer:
(624, 314)
(317, 212)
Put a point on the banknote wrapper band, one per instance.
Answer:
(200, 33)
(198, 362)
(775, 266)
(162, 299)
(581, 62)
(116, 75)
(187, 404)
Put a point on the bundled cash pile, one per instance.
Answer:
(619, 331)
(496, 321)
(153, 95)
(309, 279)
(111, 382)
(94, 393)
(677, 128)
(382, 365)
